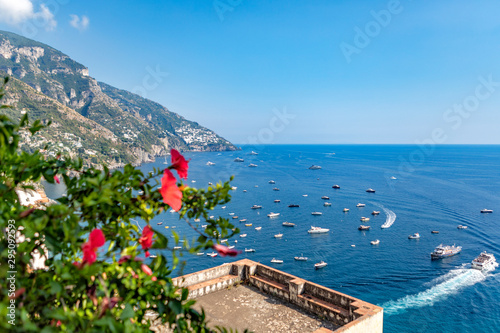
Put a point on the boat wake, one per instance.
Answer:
(390, 217)
(444, 286)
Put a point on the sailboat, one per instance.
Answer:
(166, 162)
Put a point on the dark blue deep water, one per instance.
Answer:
(437, 188)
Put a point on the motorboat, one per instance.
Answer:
(235, 217)
(486, 211)
(244, 191)
(434, 232)
(462, 226)
(314, 167)
(360, 205)
(301, 258)
(231, 247)
(317, 213)
(336, 187)
(223, 207)
(252, 165)
(277, 201)
(238, 159)
(288, 224)
(485, 261)
(278, 235)
(375, 212)
(276, 261)
(248, 224)
(370, 190)
(177, 247)
(200, 253)
(210, 183)
(327, 204)
(320, 264)
(231, 214)
(249, 250)
(293, 206)
(258, 228)
(276, 189)
(243, 220)
(393, 178)
(234, 188)
(364, 227)
(153, 256)
(159, 223)
(212, 254)
(414, 236)
(443, 251)
(375, 242)
(223, 240)
(365, 219)
(273, 214)
(304, 195)
(212, 216)
(325, 197)
(271, 182)
(256, 207)
(318, 230)
(253, 153)
(346, 210)
(243, 235)
(210, 163)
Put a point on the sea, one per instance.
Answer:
(418, 189)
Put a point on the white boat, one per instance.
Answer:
(204, 226)
(166, 162)
(238, 159)
(231, 214)
(277, 201)
(375, 212)
(364, 227)
(210, 163)
(276, 261)
(346, 210)
(327, 204)
(288, 224)
(360, 205)
(248, 224)
(325, 197)
(258, 228)
(231, 247)
(223, 240)
(278, 235)
(276, 189)
(243, 220)
(271, 182)
(318, 230)
(304, 195)
(212, 254)
(486, 211)
(234, 188)
(370, 190)
(414, 236)
(273, 214)
(159, 223)
(200, 253)
(243, 235)
(314, 167)
(393, 178)
(177, 247)
(336, 187)
(252, 165)
(485, 261)
(301, 258)
(256, 207)
(153, 256)
(442, 251)
(365, 219)
(375, 242)
(223, 207)
(461, 226)
(316, 213)
(249, 250)
(320, 264)
(197, 220)
(253, 153)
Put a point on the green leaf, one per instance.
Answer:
(128, 312)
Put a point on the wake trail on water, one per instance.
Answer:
(446, 285)
(390, 217)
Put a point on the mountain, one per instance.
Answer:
(92, 119)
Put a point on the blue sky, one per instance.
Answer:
(340, 74)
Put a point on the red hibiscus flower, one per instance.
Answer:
(171, 194)
(57, 179)
(146, 240)
(96, 240)
(225, 251)
(146, 269)
(179, 163)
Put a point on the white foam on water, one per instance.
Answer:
(390, 217)
(448, 284)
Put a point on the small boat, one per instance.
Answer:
(197, 220)
(318, 230)
(293, 206)
(256, 186)
(485, 261)
(276, 261)
(346, 210)
(336, 187)
(314, 167)
(172, 211)
(445, 251)
(486, 211)
(393, 178)
(276, 189)
(316, 213)
(212, 254)
(234, 217)
(200, 253)
(253, 153)
(375, 212)
(301, 258)
(249, 250)
(434, 232)
(211, 217)
(325, 197)
(159, 223)
(277, 201)
(243, 235)
(210, 183)
(248, 224)
(177, 247)
(210, 163)
(288, 224)
(414, 236)
(370, 190)
(231, 247)
(271, 215)
(375, 242)
(462, 226)
(352, 245)
(231, 214)
(364, 227)
(304, 195)
(153, 256)
(244, 191)
(234, 188)
(258, 228)
(360, 205)
(204, 226)
(238, 159)
(365, 219)
(223, 240)
(278, 235)
(327, 204)
(320, 264)
(166, 227)
(271, 182)
(252, 165)
(243, 220)
(256, 207)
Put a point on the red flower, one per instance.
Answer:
(225, 251)
(57, 179)
(172, 196)
(96, 240)
(126, 258)
(146, 269)
(146, 240)
(179, 163)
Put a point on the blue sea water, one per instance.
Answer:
(437, 188)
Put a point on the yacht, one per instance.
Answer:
(153, 256)
(253, 153)
(231, 247)
(288, 224)
(278, 235)
(249, 250)
(485, 261)
(238, 159)
(461, 226)
(365, 219)
(320, 264)
(375, 212)
(212, 254)
(243, 235)
(273, 214)
(314, 167)
(276, 189)
(276, 261)
(445, 251)
(486, 211)
(360, 205)
(252, 165)
(258, 228)
(346, 210)
(244, 191)
(317, 213)
(327, 204)
(370, 190)
(301, 258)
(325, 197)
(256, 207)
(293, 206)
(414, 236)
(318, 230)
(210, 163)
(234, 188)
(375, 242)
(271, 182)
(277, 201)
(336, 187)
(364, 227)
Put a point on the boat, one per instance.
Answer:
(293, 206)
(159, 223)
(346, 210)
(166, 162)
(271, 182)
(485, 261)
(414, 236)
(200, 253)
(244, 191)
(177, 247)
(252, 165)
(231, 247)
(278, 235)
(375, 242)
(393, 178)
(370, 190)
(327, 204)
(210, 163)
(210, 183)
(442, 251)
(256, 207)
(234, 188)
(223, 240)
(462, 226)
(365, 219)
(301, 258)
(318, 230)
(212, 254)
(360, 205)
(288, 224)
(204, 226)
(249, 250)
(336, 187)
(434, 232)
(277, 201)
(304, 195)
(238, 159)
(486, 211)
(273, 214)
(234, 217)
(375, 212)
(253, 153)
(276, 189)
(243, 220)
(153, 256)
(320, 264)
(231, 214)
(258, 228)
(243, 235)
(364, 227)
(248, 224)
(314, 167)
(317, 213)
(256, 186)
(325, 197)
(276, 261)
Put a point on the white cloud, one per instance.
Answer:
(79, 23)
(16, 12)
